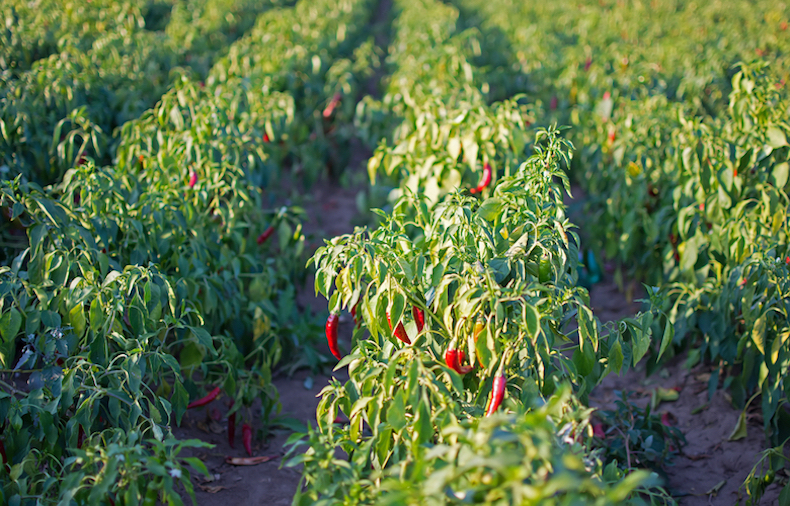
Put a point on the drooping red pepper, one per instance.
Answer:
(419, 317)
(204, 400)
(485, 181)
(246, 438)
(265, 235)
(497, 394)
(231, 429)
(193, 179)
(266, 138)
(453, 358)
(3, 454)
(330, 108)
(331, 335)
(357, 322)
(463, 369)
(400, 331)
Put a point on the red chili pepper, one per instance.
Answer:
(80, 436)
(400, 331)
(192, 179)
(265, 235)
(587, 64)
(485, 181)
(463, 369)
(265, 137)
(246, 438)
(330, 108)
(451, 359)
(497, 394)
(204, 400)
(231, 429)
(454, 358)
(612, 135)
(331, 335)
(419, 317)
(787, 260)
(598, 431)
(357, 322)
(607, 95)
(5, 457)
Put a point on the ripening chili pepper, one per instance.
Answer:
(612, 135)
(231, 429)
(787, 260)
(400, 331)
(598, 431)
(419, 317)
(204, 400)
(588, 64)
(497, 394)
(246, 438)
(331, 335)
(265, 235)
(265, 137)
(485, 181)
(82, 159)
(192, 179)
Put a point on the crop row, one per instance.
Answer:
(463, 304)
(680, 123)
(136, 285)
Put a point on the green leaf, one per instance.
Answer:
(77, 319)
(10, 324)
(780, 174)
(776, 138)
(758, 334)
(669, 334)
(616, 356)
(739, 432)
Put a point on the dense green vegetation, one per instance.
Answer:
(151, 253)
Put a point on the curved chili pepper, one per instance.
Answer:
(331, 335)
(497, 394)
(485, 181)
(464, 369)
(265, 235)
(204, 400)
(400, 331)
(231, 429)
(419, 317)
(246, 438)
(453, 359)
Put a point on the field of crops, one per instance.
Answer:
(168, 169)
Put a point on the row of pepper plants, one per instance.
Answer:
(472, 348)
(136, 288)
(680, 119)
(65, 107)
